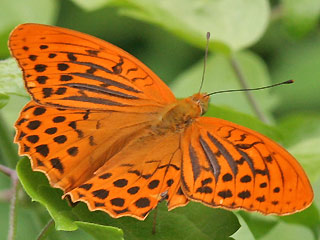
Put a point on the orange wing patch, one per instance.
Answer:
(133, 181)
(65, 68)
(235, 167)
(70, 145)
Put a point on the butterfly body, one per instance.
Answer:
(181, 114)
(107, 131)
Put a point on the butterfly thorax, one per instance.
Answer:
(182, 113)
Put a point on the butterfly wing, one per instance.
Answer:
(133, 181)
(92, 105)
(231, 166)
(69, 145)
(65, 68)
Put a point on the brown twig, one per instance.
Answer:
(243, 81)
(44, 232)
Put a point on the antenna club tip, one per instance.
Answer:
(208, 35)
(289, 81)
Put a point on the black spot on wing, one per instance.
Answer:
(101, 193)
(56, 163)
(245, 179)
(33, 125)
(244, 194)
(73, 151)
(39, 111)
(120, 183)
(225, 194)
(51, 130)
(227, 177)
(105, 176)
(33, 138)
(40, 67)
(41, 79)
(142, 202)
(204, 189)
(153, 184)
(119, 202)
(86, 186)
(62, 66)
(133, 190)
(42, 150)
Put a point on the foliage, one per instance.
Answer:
(269, 41)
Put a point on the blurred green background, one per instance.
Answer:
(270, 41)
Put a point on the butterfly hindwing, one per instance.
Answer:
(228, 165)
(133, 181)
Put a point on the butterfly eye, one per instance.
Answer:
(203, 104)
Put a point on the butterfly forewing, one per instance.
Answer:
(235, 167)
(65, 68)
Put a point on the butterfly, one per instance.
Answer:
(108, 132)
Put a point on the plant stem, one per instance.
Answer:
(45, 231)
(243, 81)
(8, 149)
(7, 171)
(277, 13)
(14, 189)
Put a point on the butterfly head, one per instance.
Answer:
(202, 101)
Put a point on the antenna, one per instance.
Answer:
(251, 89)
(205, 60)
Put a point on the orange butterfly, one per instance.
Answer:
(107, 131)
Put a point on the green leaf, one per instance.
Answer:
(299, 61)
(301, 16)
(91, 5)
(308, 153)
(194, 220)
(316, 201)
(309, 217)
(192, 19)
(3, 100)
(36, 185)
(259, 224)
(10, 78)
(21, 11)
(220, 76)
(100, 231)
(204, 219)
(285, 231)
(244, 232)
(12, 109)
(297, 127)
